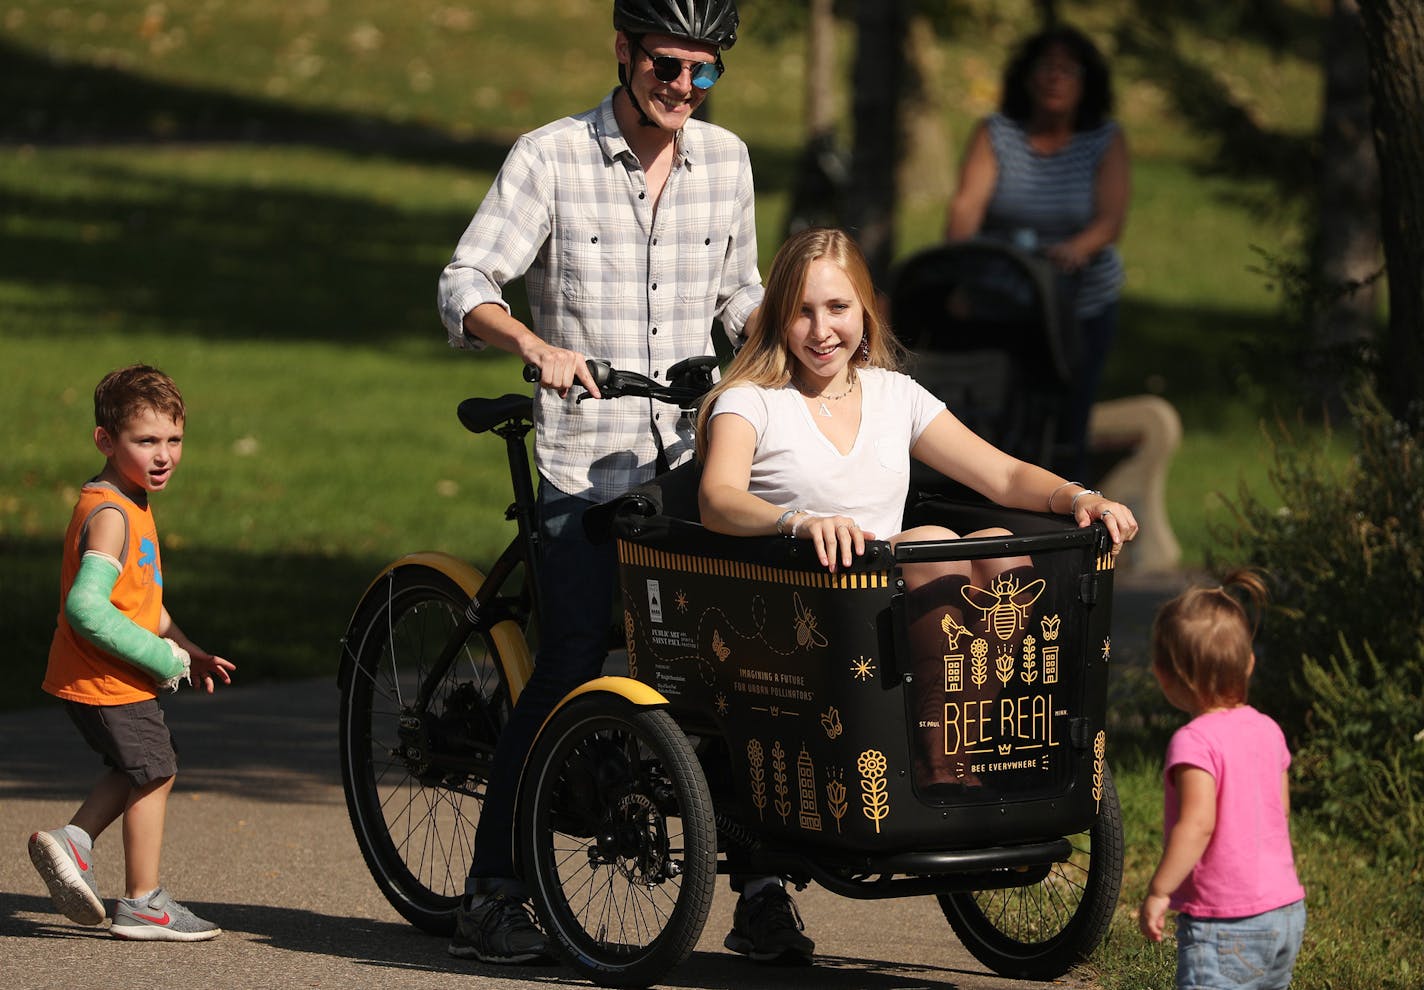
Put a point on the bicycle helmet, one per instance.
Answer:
(708, 22)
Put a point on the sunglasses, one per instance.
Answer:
(666, 68)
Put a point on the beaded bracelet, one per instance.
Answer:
(1073, 506)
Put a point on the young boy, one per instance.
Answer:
(114, 648)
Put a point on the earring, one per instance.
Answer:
(863, 351)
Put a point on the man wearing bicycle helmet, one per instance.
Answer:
(634, 226)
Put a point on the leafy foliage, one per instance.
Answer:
(1364, 755)
(1346, 552)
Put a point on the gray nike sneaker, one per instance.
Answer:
(68, 872)
(159, 918)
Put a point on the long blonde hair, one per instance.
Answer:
(1201, 640)
(765, 359)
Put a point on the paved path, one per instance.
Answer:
(258, 841)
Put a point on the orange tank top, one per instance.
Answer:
(78, 670)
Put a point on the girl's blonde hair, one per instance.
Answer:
(1201, 640)
(765, 359)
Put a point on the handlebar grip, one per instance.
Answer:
(600, 370)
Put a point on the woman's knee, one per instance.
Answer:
(923, 534)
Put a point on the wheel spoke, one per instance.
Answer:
(414, 794)
(1041, 930)
(607, 893)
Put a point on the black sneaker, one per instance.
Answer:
(767, 927)
(500, 929)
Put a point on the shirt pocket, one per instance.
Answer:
(592, 261)
(893, 455)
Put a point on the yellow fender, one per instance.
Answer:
(636, 692)
(626, 688)
(507, 637)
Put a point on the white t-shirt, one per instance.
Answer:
(796, 466)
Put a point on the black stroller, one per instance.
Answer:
(991, 332)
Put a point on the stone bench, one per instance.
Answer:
(1139, 434)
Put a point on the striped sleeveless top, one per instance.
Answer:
(1052, 196)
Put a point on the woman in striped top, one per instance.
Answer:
(1049, 173)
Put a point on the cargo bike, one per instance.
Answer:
(811, 724)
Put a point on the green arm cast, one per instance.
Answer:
(93, 616)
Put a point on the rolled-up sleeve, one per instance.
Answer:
(507, 232)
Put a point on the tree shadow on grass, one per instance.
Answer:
(1242, 148)
(54, 101)
(247, 258)
(225, 261)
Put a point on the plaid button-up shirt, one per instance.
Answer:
(610, 277)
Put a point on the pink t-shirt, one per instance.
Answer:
(1248, 866)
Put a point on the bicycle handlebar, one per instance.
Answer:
(687, 381)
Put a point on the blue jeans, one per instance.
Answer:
(1255, 953)
(577, 580)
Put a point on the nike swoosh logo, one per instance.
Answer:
(74, 851)
(154, 919)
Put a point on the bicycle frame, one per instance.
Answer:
(508, 418)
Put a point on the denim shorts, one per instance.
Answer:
(1255, 953)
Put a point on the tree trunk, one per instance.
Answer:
(821, 171)
(1347, 241)
(821, 69)
(925, 173)
(1394, 31)
(877, 81)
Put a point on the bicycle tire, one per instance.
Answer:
(618, 840)
(1041, 931)
(415, 818)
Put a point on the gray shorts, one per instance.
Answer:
(133, 739)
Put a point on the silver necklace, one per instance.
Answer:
(823, 409)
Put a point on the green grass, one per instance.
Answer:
(1365, 921)
(257, 196)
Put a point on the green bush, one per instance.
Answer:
(1345, 553)
(1363, 757)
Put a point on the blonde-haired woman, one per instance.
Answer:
(811, 431)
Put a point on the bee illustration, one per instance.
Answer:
(1005, 605)
(807, 634)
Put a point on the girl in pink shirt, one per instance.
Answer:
(1227, 866)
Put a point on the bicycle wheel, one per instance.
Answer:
(618, 840)
(414, 777)
(1041, 931)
